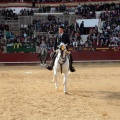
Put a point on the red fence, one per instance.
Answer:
(98, 55)
(77, 56)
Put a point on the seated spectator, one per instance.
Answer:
(75, 44)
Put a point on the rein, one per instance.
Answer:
(61, 59)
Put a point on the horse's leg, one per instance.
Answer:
(41, 62)
(65, 82)
(44, 62)
(55, 78)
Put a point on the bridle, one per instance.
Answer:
(63, 58)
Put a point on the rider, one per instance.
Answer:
(64, 38)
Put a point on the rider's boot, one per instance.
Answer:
(72, 69)
(50, 67)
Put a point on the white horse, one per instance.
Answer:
(61, 65)
(43, 56)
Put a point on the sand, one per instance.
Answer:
(27, 93)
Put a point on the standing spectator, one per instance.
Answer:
(75, 44)
(76, 26)
(81, 28)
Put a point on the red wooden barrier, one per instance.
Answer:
(77, 56)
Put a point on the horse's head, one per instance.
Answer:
(62, 46)
(63, 50)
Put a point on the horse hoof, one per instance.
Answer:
(56, 88)
(45, 65)
(66, 93)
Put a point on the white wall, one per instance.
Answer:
(88, 22)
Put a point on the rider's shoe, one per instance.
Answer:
(72, 69)
(49, 68)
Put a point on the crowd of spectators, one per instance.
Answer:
(3, 26)
(43, 31)
(110, 33)
(61, 8)
(26, 12)
(1, 42)
(9, 14)
(44, 9)
(109, 36)
(47, 1)
(87, 11)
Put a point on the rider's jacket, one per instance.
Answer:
(64, 38)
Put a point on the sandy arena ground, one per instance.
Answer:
(27, 93)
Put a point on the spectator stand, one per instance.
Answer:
(34, 23)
